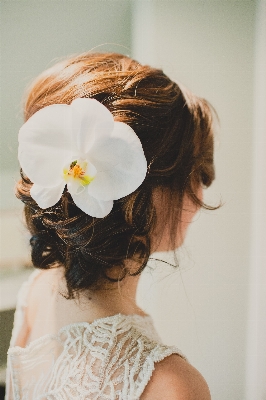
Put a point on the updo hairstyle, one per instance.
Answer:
(175, 129)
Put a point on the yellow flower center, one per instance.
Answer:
(77, 171)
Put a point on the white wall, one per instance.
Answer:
(202, 307)
(36, 33)
(256, 344)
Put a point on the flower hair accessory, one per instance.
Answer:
(81, 146)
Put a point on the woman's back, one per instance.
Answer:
(110, 357)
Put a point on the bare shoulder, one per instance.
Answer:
(39, 292)
(175, 379)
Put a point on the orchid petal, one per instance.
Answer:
(90, 205)
(90, 169)
(74, 186)
(46, 197)
(91, 121)
(120, 162)
(45, 144)
(43, 167)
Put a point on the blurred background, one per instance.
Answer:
(213, 306)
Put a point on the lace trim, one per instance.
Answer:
(156, 356)
(111, 358)
(108, 359)
(112, 319)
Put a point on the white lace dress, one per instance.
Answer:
(110, 358)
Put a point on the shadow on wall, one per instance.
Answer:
(2, 393)
(6, 325)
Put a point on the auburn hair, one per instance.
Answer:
(175, 128)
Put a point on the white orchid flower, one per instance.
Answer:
(81, 146)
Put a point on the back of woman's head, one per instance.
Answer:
(175, 130)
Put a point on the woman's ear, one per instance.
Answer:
(171, 223)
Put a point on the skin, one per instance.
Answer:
(176, 379)
(161, 239)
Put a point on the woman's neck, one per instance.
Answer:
(121, 298)
(49, 310)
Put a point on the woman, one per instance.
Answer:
(114, 156)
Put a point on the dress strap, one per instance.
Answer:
(22, 303)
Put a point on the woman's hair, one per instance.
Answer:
(176, 131)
